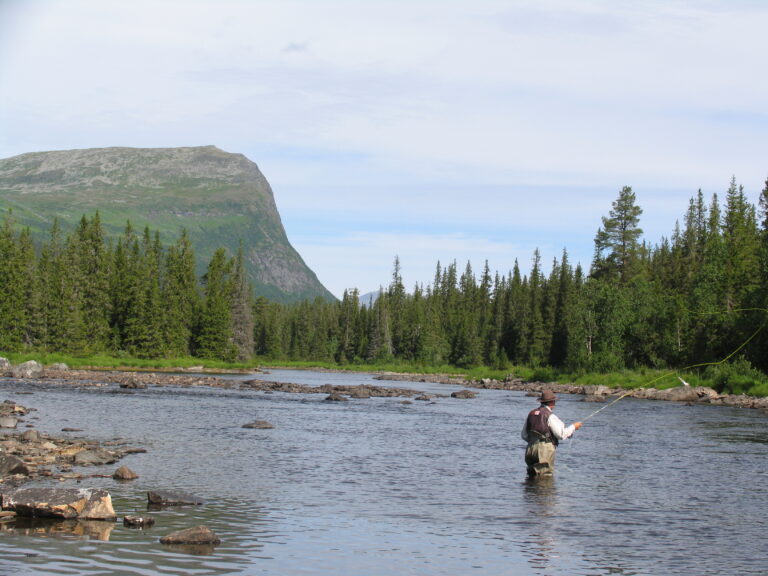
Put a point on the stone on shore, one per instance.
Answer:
(5, 366)
(80, 503)
(124, 473)
(58, 367)
(8, 422)
(259, 425)
(30, 369)
(94, 458)
(196, 535)
(598, 390)
(12, 465)
(169, 498)
(680, 394)
(31, 436)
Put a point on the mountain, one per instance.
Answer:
(220, 198)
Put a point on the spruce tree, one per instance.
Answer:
(214, 336)
(241, 309)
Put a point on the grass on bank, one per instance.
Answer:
(737, 377)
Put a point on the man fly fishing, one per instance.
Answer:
(543, 430)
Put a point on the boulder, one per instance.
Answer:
(679, 394)
(424, 398)
(463, 394)
(80, 503)
(124, 473)
(598, 390)
(259, 424)
(133, 384)
(336, 397)
(31, 436)
(196, 535)
(30, 369)
(8, 422)
(12, 465)
(169, 498)
(59, 367)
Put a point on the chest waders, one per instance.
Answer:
(540, 453)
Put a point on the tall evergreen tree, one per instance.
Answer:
(214, 337)
(617, 241)
(241, 309)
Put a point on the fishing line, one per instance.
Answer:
(674, 372)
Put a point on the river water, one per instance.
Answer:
(380, 487)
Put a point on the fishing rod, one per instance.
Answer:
(674, 372)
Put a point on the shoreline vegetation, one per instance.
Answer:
(696, 301)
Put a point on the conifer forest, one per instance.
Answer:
(695, 297)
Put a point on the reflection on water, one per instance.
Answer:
(82, 529)
(378, 487)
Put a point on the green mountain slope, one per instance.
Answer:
(220, 198)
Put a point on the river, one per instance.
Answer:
(379, 487)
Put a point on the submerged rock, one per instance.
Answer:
(81, 503)
(138, 521)
(169, 498)
(196, 535)
(259, 424)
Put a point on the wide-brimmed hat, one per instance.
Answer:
(547, 396)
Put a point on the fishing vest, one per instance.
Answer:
(537, 426)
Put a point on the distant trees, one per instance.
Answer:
(693, 298)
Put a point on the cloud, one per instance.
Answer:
(517, 123)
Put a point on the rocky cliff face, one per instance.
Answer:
(220, 198)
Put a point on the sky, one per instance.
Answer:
(427, 130)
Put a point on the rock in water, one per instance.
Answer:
(138, 521)
(80, 503)
(196, 535)
(124, 473)
(464, 394)
(167, 498)
(259, 424)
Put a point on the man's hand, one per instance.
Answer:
(577, 425)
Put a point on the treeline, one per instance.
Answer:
(697, 297)
(85, 295)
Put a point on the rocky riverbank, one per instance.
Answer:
(688, 394)
(31, 454)
(137, 380)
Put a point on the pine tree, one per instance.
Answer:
(617, 241)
